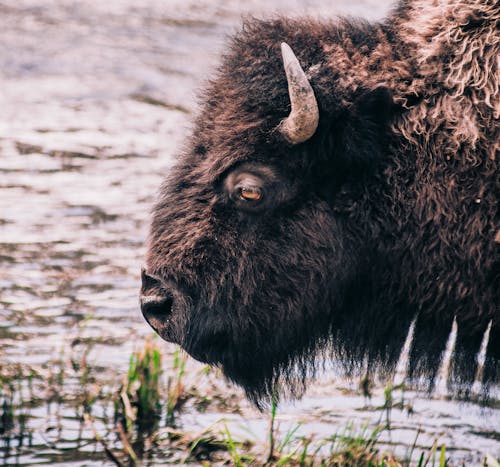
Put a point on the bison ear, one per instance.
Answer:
(366, 130)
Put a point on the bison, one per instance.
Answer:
(340, 182)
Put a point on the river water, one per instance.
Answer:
(95, 99)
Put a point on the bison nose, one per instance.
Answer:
(156, 302)
(156, 310)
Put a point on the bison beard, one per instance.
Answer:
(328, 198)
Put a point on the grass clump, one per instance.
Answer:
(175, 388)
(144, 400)
(349, 448)
(140, 402)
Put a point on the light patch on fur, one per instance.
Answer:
(357, 67)
(457, 49)
(453, 71)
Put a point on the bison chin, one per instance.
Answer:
(267, 358)
(264, 370)
(265, 379)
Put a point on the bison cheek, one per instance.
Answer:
(205, 338)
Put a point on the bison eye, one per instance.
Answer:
(250, 193)
(252, 187)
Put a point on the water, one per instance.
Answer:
(481, 359)
(95, 99)
(401, 371)
(443, 374)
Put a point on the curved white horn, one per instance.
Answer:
(303, 120)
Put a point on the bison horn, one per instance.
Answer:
(303, 120)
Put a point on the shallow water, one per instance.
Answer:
(95, 99)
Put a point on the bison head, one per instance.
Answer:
(261, 251)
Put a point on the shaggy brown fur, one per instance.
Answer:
(387, 213)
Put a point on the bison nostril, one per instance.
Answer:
(149, 281)
(156, 309)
